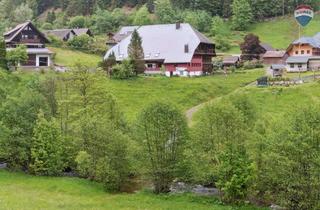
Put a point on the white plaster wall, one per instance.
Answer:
(37, 59)
(296, 68)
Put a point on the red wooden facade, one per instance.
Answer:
(201, 61)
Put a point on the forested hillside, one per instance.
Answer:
(106, 15)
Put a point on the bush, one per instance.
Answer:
(252, 64)
(83, 161)
(46, 149)
(55, 41)
(47, 26)
(123, 70)
(82, 42)
(222, 44)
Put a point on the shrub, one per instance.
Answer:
(252, 64)
(46, 149)
(123, 70)
(222, 44)
(82, 42)
(83, 161)
(47, 26)
(55, 41)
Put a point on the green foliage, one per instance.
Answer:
(219, 137)
(3, 55)
(47, 26)
(142, 17)
(222, 43)
(162, 133)
(22, 13)
(83, 161)
(51, 17)
(241, 14)
(17, 56)
(108, 63)
(165, 12)
(296, 151)
(219, 27)
(46, 149)
(78, 22)
(135, 52)
(124, 70)
(198, 19)
(19, 114)
(81, 42)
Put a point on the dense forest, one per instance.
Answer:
(106, 15)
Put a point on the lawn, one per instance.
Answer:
(24, 192)
(67, 57)
(133, 94)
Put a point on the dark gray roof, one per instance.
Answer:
(81, 31)
(278, 66)
(231, 59)
(274, 54)
(267, 47)
(298, 59)
(124, 32)
(163, 42)
(60, 33)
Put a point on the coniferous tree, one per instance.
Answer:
(135, 52)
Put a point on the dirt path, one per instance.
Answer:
(190, 112)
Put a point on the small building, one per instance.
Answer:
(230, 61)
(174, 49)
(297, 63)
(27, 34)
(68, 34)
(62, 34)
(275, 57)
(277, 70)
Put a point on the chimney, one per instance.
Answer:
(178, 25)
(186, 48)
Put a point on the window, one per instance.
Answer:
(24, 36)
(43, 61)
(302, 52)
(308, 51)
(299, 65)
(149, 65)
(292, 65)
(297, 52)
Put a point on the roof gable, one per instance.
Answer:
(13, 33)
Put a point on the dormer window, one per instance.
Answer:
(148, 55)
(157, 55)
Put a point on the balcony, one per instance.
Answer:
(31, 41)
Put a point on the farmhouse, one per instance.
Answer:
(230, 61)
(175, 49)
(68, 34)
(304, 54)
(27, 34)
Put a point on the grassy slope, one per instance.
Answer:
(279, 32)
(67, 57)
(133, 94)
(25, 192)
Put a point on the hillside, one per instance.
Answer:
(278, 32)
